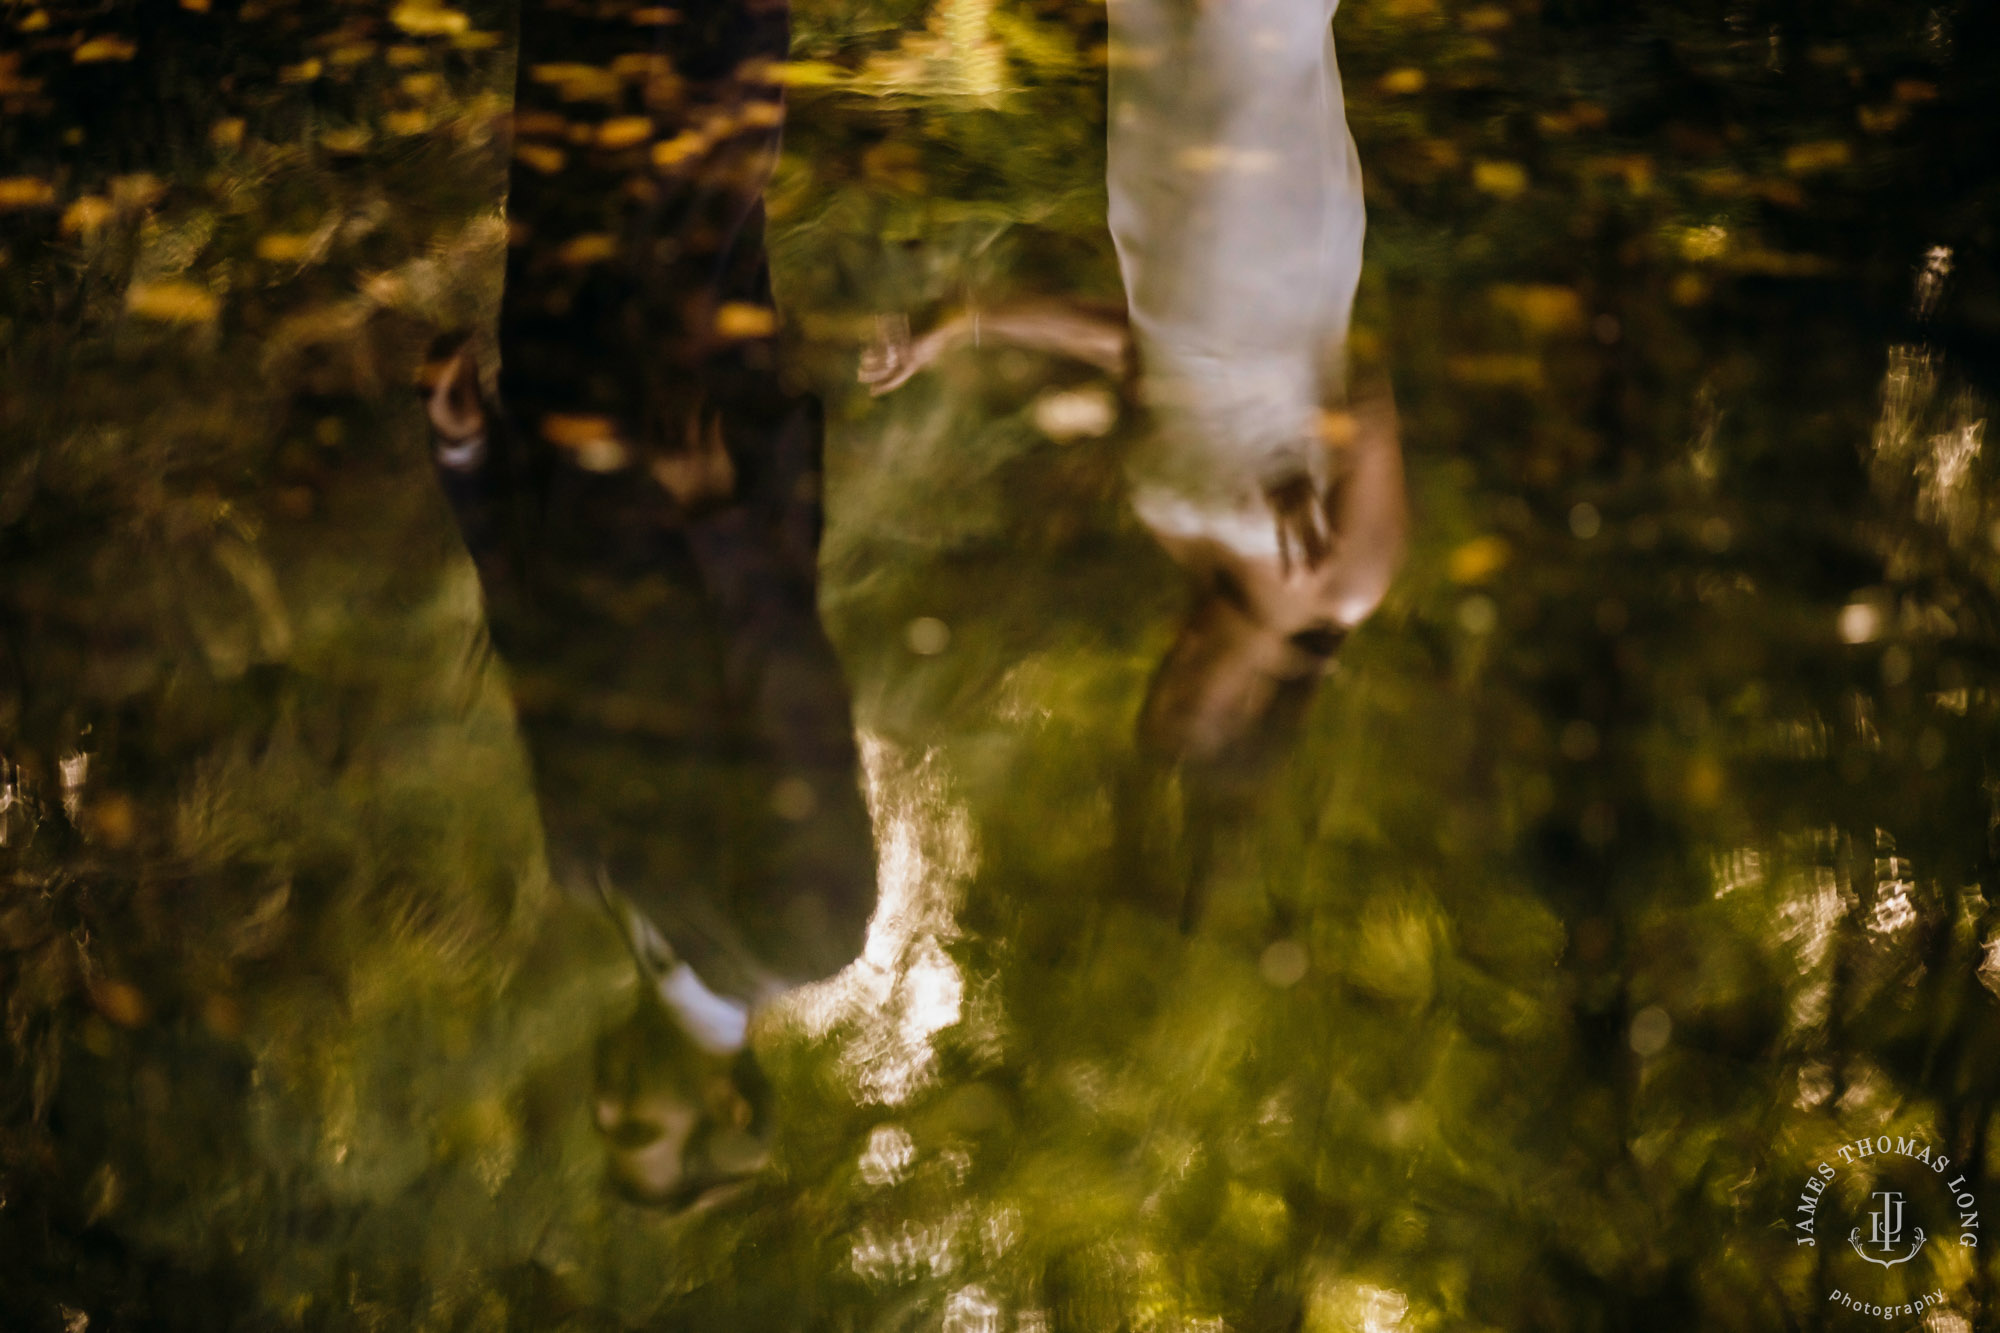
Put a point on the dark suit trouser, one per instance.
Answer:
(646, 523)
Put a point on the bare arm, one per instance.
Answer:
(1094, 336)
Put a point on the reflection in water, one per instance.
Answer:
(1637, 850)
(1941, 463)
(904, 988)
(641, 430)
(1236, 205)
(1235, 202)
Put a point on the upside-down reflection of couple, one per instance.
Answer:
(642, 498)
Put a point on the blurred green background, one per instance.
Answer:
(1635, 855)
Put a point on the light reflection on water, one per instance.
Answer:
(905, 986)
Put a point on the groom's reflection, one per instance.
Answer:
(645, 515)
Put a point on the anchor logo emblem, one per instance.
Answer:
(1885, 1231)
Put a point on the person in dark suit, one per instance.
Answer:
(641, 497)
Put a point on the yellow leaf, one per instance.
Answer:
(303, 72)
(624, 131)
(195, 6)
(421, 20)
(641, 65)
(1478, 560)
(1401, 81)
(87, 215)
(283, 247)
(99, 49)
(573, 431)
(591, 249)
(579, 83)
(1502, 180)
(740, 319)
(1702, 244)
(171, 302)
(678, 149)
(25, 192)
(540, 156)
(807, 74)
(139, 190)
(1485, 18)
(227, 133)
(406, 122)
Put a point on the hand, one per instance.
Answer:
(893, 359)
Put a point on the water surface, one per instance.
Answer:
(1635, 854)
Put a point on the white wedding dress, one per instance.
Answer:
(1235, 204)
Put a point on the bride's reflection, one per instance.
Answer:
(1236, 205)
(1271, 473)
